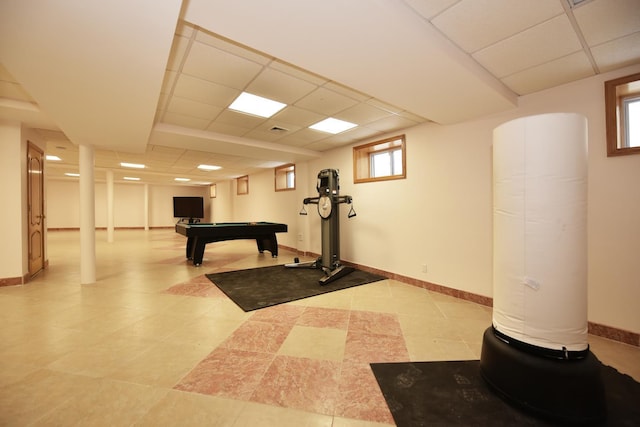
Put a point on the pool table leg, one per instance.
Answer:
(197, 252)
(189, 253)
(268, 242)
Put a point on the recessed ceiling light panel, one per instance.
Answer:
(52, 157)
(209, 167)
(256, 105)
(333, 126)
(132, 165)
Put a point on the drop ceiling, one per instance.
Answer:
(150, 82)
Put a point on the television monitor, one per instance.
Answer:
(188, 207)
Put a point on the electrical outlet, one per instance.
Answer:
(424, 268)
(300, 237)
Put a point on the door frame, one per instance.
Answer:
(35, 218)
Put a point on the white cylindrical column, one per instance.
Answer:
(540, 231)
(146, 206)
(87, 216)
(110, 220)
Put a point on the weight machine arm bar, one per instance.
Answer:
(334, 199)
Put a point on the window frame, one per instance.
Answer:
(366, 151)
(616, 91)
(284, 171)
(242, 185)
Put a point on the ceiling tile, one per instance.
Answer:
(617, 53)
(362, 114)
(241, 120)
(540, 44)
(196, 109)
(391, 123)
(229, 46)
(324, 101)
(572, 67)
(303, 137)
(476, 24)
(298, 116)
(351, 136)
(281, 87)
(298, 72)
(384, 106)
(204, 91)
(604, 20)
(185, 121)
(428, 9)
(215, 65)
(338, 88)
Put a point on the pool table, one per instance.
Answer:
(199, 234)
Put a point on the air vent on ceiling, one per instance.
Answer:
(575, 3)
(278, 129)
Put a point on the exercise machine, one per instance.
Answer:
(328, 202)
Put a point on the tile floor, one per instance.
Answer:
(154, 343)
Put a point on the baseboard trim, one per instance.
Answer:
(13, 281)
(159, 227)
(604, 331)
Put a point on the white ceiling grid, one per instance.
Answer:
(385, 65)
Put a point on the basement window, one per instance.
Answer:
(380, 160)
(242, 185)
(622, 112)
(285, 177)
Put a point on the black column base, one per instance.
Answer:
(567, 391)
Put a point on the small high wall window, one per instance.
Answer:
(285, 177)
(243, 185)
(380, 160)
(622, 104)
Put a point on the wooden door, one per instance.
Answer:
(35, 208)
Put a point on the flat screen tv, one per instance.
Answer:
(188, 207)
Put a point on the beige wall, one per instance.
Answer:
(441, 215)
(128, 208)
(13, 180)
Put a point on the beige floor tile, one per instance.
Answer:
(38, 394)
(161, 364)
(315, 343)
(623, 357)
(256, 414)
(178, 408)
(110, 353)
(105, 402)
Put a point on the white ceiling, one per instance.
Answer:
(150, 82)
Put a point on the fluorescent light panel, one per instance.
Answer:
(332, 125)
(132, 165)
(131, 178)
(52, 157)
(182, 179)
(256, 105)
(72, 174)
(209, 167)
